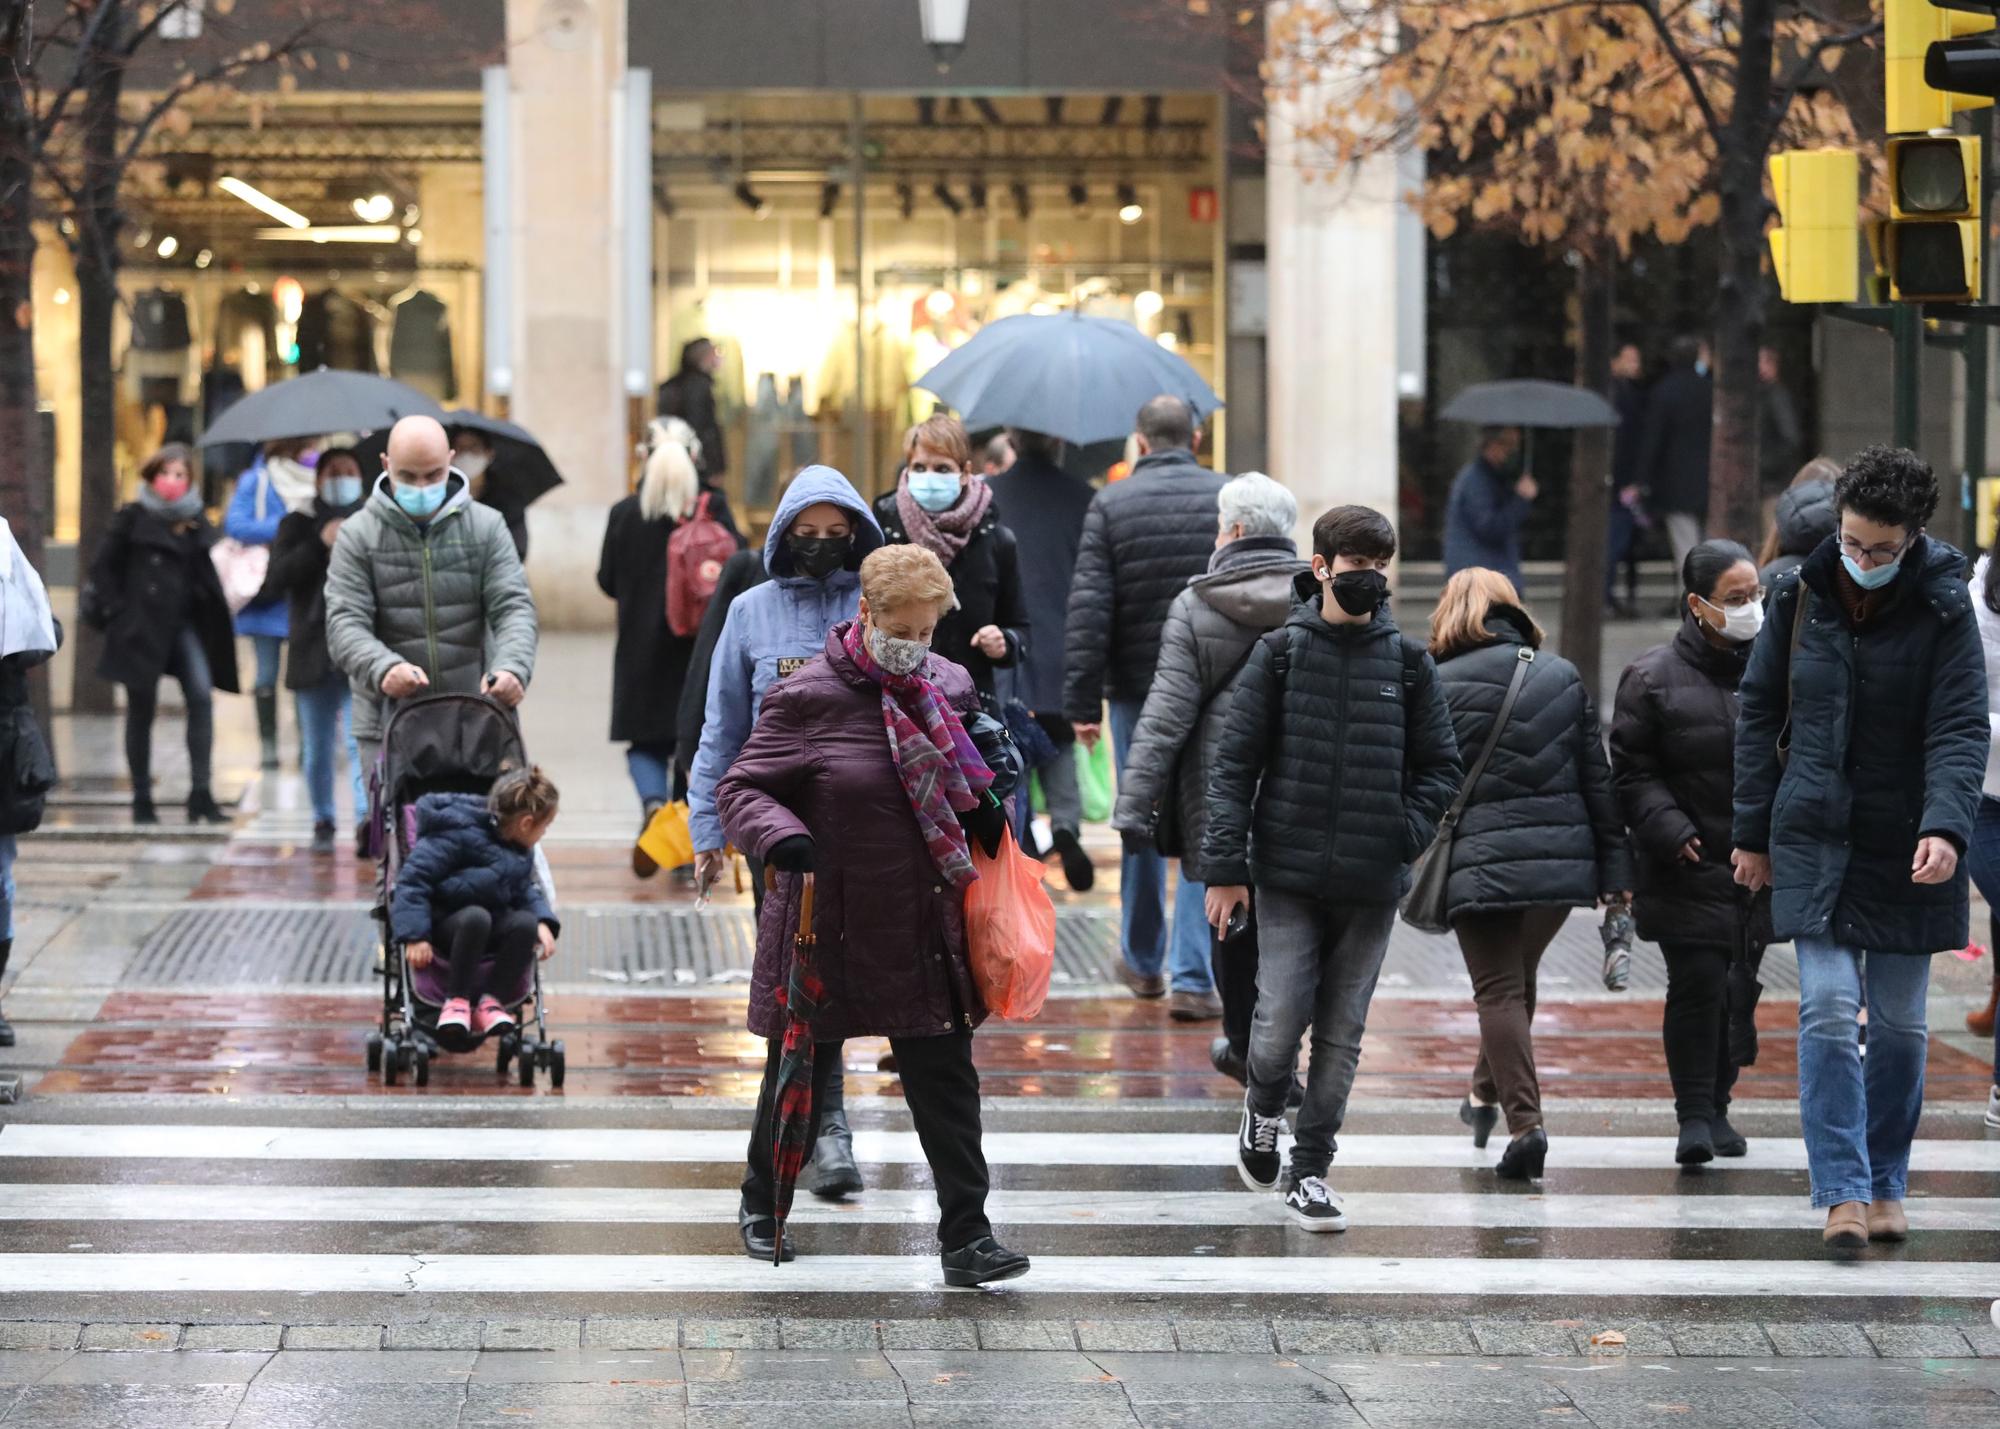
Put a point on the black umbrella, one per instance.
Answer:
(1530, 403)
(319, 402)
(520, 467)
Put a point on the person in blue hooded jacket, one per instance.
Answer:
(818, 537)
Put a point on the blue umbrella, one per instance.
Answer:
(1079, 378)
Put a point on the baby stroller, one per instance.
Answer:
(443, 744)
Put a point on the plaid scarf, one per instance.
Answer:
(936, 759)
(944, 533)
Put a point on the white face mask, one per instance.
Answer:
(896, 656)
(1740, 623)
(473, 465)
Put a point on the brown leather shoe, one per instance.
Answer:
(1194, 1007)
(1142, 984)
(1846, 1225)
(1887, 1222)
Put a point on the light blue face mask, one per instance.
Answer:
(419, 503)
(1871, 580)
(341, 490)
(934, 490)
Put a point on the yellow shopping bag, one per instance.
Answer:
(667, 840)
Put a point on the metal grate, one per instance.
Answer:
(268, 944)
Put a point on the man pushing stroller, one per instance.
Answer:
(469, 893)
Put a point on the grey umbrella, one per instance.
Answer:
(322, 401)
(1527, 402)
(520, 466)
(1079, 378)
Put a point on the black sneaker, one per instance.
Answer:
(323, 837)
(981, 1263)
(1257, 1148)
(1696, 1146)
(1727, 1140)
(1078, 871)
(1313, 1207)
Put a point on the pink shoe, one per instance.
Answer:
(491, 1015)
(455, 1014)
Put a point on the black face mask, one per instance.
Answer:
(819, 556)
(1360, 592)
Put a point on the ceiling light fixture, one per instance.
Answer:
(169, 246)
(375, 208)
(1130, 210)
(204, 258)
(262, 202)
(334, 233)
(944, 28)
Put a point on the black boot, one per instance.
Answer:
(1524, 1157)
(267, 726)
(6, 1027)
(202, 809)
(143, 811)
(1696, 1146)
(1482, 1120)
(981, 1263)
(760, 1235)
(833, 1173)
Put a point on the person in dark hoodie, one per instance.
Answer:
(1211, 628)
(469, 893)
(299, 559)
(1805, 516)
(690, 395)
(1336, 765)
(1860, 752)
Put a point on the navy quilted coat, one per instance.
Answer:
(460, 861)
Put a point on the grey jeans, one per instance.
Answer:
(1316, 967)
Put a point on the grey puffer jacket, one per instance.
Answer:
(1330, 778)
(1210, 629)
(1541, 829)
(448, 596)
(1144, 539)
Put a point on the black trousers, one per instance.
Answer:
(1235, 966)
(941, 1088)
(1696, 1027)
(189, 665)
(466, 938)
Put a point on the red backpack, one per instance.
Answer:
(695, 553)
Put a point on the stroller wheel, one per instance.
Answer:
(374, 1051)
(556, 1064)
(423, 1070)
(506, 1045)
(392, 1062)
(527, 1068)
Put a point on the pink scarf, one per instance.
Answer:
(944, 533)
(936, 759)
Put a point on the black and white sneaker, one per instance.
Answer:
(1257, 1149)
(1313, 1207)
(1992, 1113)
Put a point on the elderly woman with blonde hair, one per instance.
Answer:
(1538, 835)
(861, 775)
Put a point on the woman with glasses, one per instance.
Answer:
(1860, 751)
(1673, 751)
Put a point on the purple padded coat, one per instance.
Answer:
(891, 928)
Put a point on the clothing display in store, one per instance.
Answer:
(246, 337)
(760, 447)
(420, 344)
(798, 426)
(160, 322)
(337, 332)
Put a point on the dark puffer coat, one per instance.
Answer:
(1889, 739)
(1144, 539)
(1541, 829)
(460, 861)
(1807, 514)
(1673, 751)
(148, 581)
(986, 578)
(1209, 631)
(891, 929)
(1356, 768)
(299, 559)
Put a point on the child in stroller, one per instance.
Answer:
(470, 895)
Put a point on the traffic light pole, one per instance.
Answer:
(1906, 329)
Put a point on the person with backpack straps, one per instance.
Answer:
(637, 569)
(1336, 764)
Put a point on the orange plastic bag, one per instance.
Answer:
(1010, 931)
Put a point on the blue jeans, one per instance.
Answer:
(1143, 896)
(326, 717)
(1982, 861)
(1860, 1113)
(270, 652)
(7, 887)
(652, 769)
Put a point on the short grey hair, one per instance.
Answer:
(1261, 506)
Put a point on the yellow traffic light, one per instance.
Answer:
(1909, 29)
(1816, 249)
(1934, 249)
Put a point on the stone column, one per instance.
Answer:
(1332, 342)
(565, 62)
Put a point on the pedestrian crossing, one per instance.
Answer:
(339, 1203)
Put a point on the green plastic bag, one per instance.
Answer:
(1093, 780)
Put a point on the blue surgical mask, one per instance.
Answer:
(1871, 580)
(419, 503)
(341, 490)
(934, 490)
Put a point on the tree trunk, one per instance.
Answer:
(99, 224)
(1735, 506)
(1590, 474)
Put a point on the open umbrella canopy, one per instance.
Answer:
(521, 468)
(1530, 403)
(1079, 378)
(319, 402)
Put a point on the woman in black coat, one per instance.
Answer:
(650, 663)
(1539, 835)
(941, 505)
(154, 593)
(1673, 758)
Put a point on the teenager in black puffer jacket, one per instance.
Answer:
(1540, 835)
(1673, 752)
